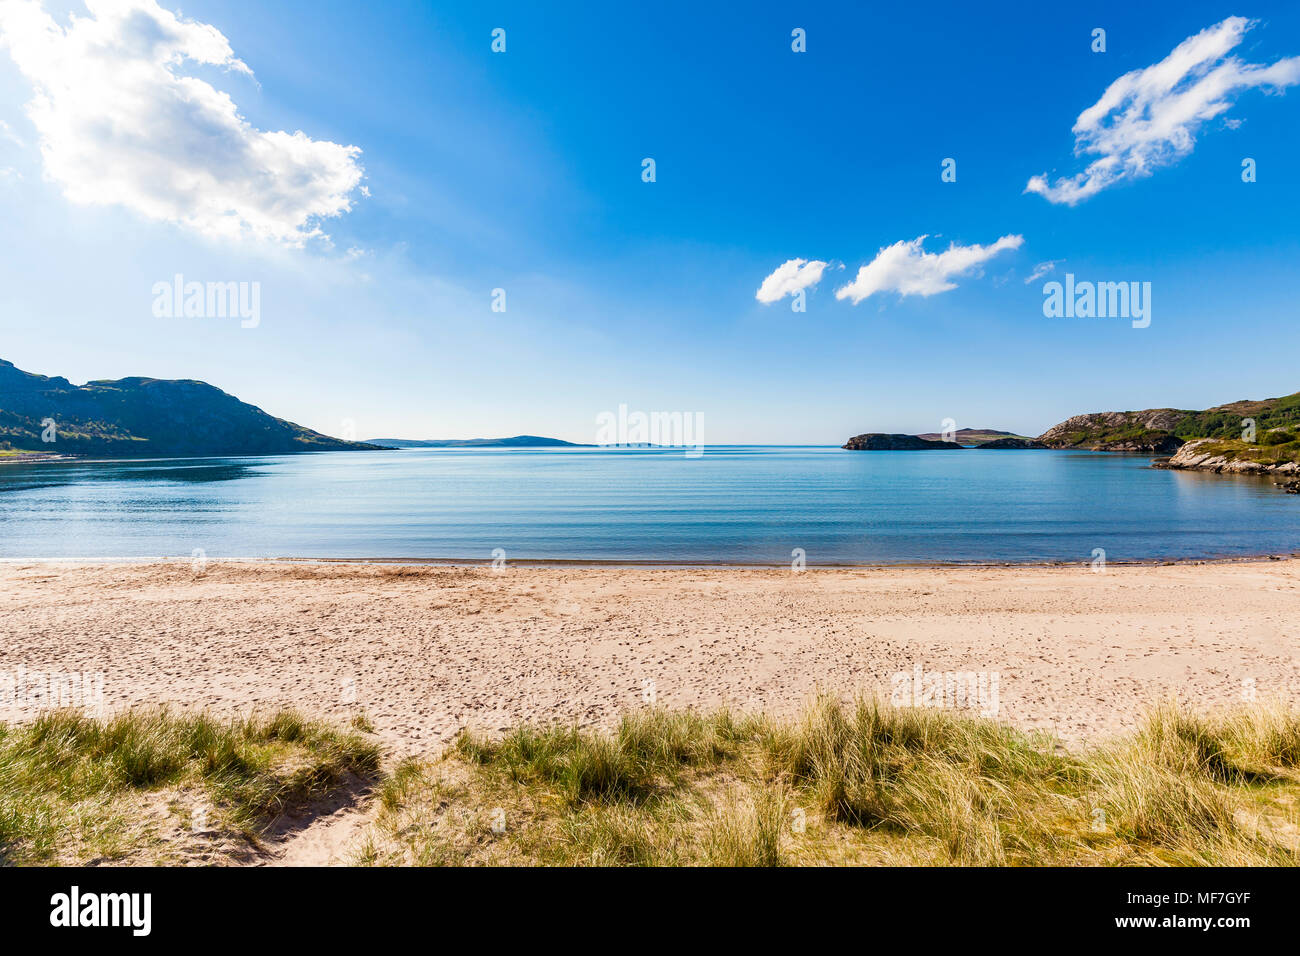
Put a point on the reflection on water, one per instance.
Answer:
(26, 476)
(735, 504)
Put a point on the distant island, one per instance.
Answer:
(43, 417)
(973, 436)
(1014, 442)
(879, 441)
(518, 441)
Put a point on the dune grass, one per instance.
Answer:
(861, 783)
(75, 788)
(845, 783)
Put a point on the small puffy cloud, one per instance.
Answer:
(1149, 118)
(906, 268)
(120, 122)
(789, 278)
(1042, 269)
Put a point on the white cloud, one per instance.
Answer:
(121, 123)
(1042, 269)
(1149, 118)
(908, 269)
(789, 278)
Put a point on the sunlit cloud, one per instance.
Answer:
(120, 122)
(906, 268)
(790, 278)
(1149, 118)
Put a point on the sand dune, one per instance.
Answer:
(424, 650)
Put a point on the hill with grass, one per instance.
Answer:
(1166, 430)
(140, 418)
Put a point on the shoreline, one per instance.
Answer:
(35, 458)
(666, 563)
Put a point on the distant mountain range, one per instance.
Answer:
(518, 441)
(141, 418)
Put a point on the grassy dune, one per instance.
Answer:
(860, 784)
(151, 786)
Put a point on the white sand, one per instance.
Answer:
(424, 650)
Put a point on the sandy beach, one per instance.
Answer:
(425, 650)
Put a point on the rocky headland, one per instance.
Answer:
(879, 441)
(1150, 431)
(1234, 458)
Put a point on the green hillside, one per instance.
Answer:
(141, 417)
(1165, 430)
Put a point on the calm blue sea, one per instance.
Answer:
(734, 504)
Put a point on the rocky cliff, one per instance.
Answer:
(1234, 457)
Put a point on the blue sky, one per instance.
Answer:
(522, 171)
